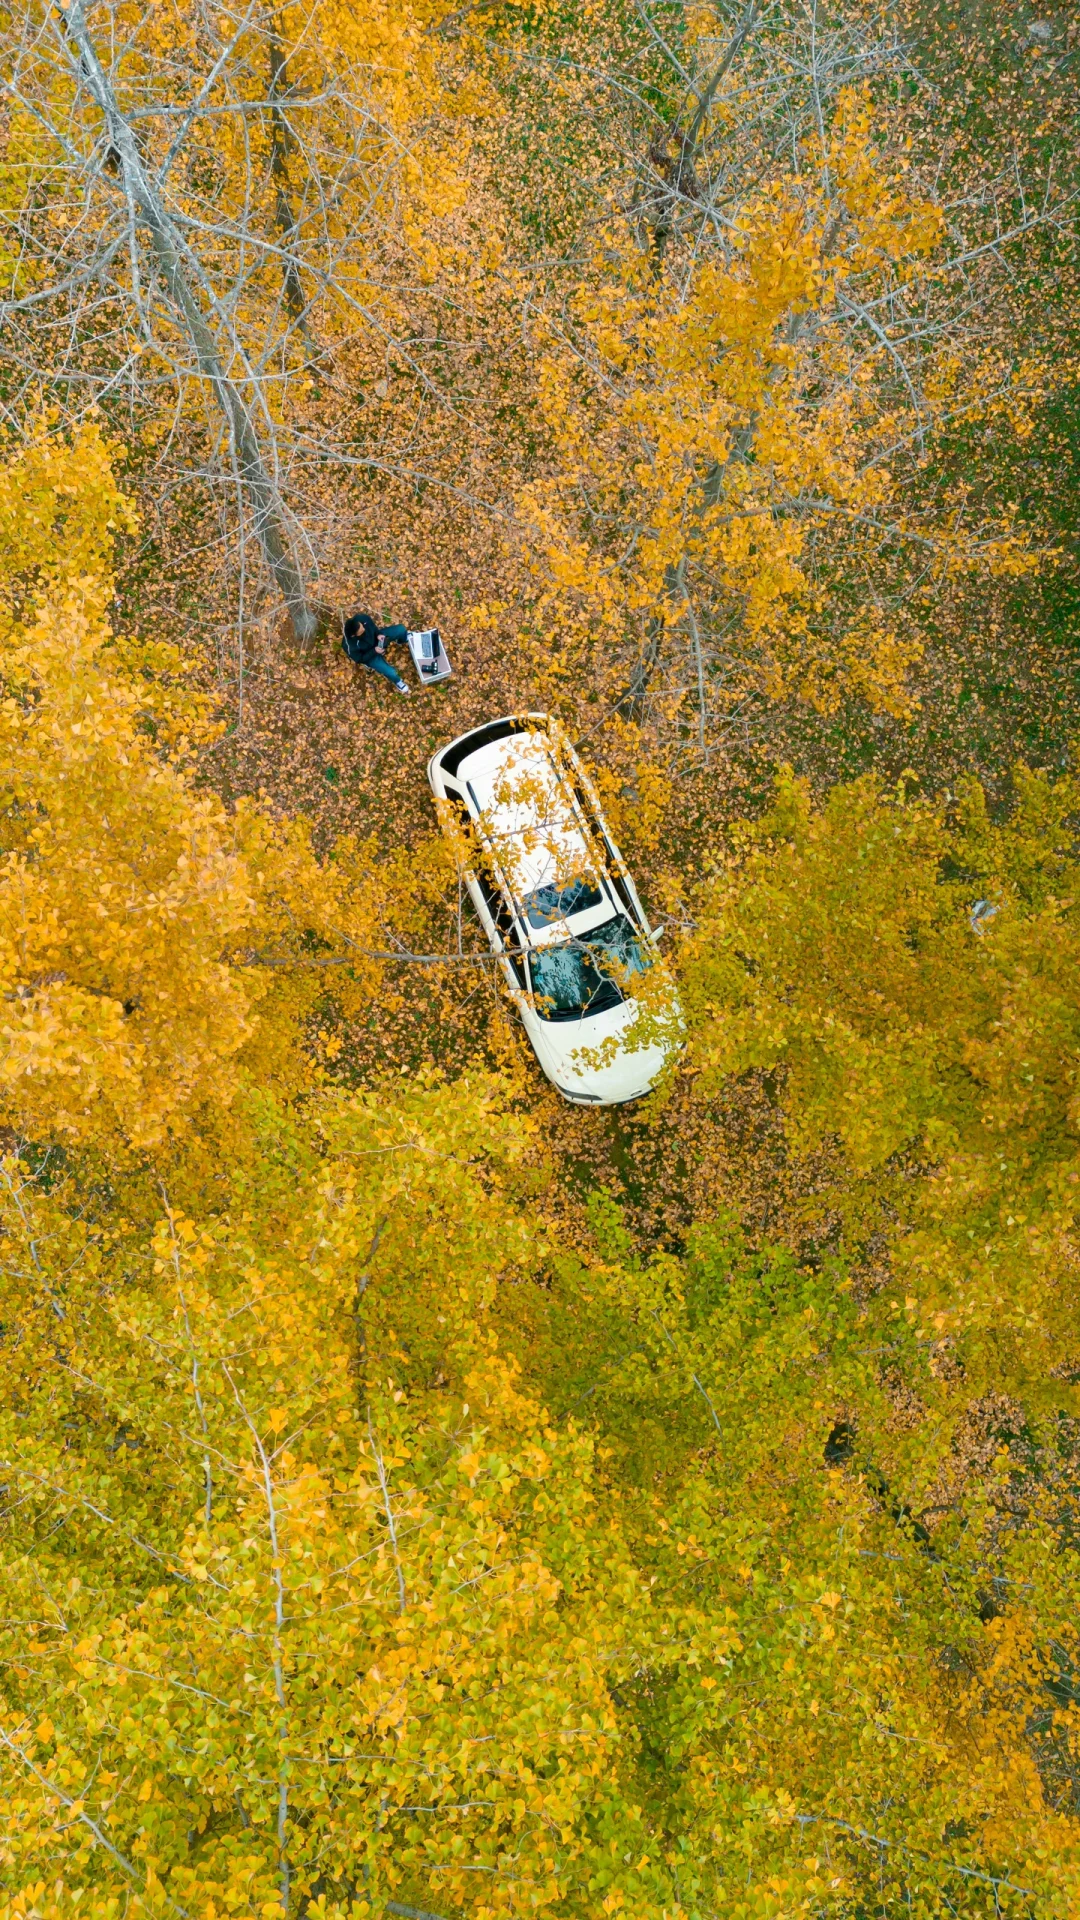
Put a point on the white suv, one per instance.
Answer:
(559, 908)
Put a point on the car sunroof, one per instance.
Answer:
(544, 905)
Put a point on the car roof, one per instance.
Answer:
(530, 820)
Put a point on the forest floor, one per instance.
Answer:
(312, 735)
(321, 738)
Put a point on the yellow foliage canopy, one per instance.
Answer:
(729, 420)
(386, 1524)
(131, 902)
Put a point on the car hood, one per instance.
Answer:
(561, 1045)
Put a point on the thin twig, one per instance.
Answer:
(78, 1812)
(389, 1512)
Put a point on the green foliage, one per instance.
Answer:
(908, 966)
(319, 1597)
(820, 1666)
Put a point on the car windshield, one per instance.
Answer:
(545, 904)
(580, 977)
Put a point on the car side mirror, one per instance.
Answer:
(658, 933)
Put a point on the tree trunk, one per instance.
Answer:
(267, 509)
(280, 143)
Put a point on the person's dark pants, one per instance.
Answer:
(379, 665)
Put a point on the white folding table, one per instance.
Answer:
(429, 656)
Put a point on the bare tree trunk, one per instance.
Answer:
(269, 514)
(281, 140)
(633, 704)
(698, 657)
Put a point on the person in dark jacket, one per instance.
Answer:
(366, 643)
